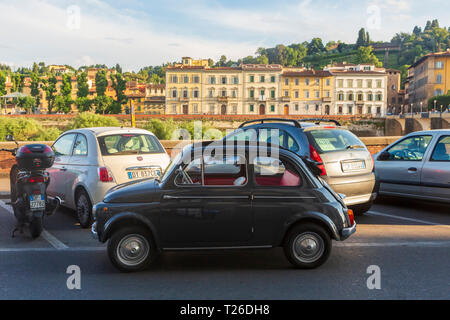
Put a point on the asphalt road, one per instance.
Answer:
(409, 241)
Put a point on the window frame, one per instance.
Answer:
(71, 147)
(406, 138)
(202, 184)
(74, 146)
(434, 149)
(283, 159)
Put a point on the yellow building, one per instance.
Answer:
(428, 77)
(307, 92)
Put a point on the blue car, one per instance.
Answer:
(345, 162)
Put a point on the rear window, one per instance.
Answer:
(333, 140)
(129, 143)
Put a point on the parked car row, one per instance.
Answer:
(271, 182)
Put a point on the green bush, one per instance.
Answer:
(162, 129)
(26, 129)
(89, 120)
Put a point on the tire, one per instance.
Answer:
(307, 234)
(36, 227)
(84, 209)
(360, 209)
(119, 249)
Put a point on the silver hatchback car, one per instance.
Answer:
(90, 161)
(416, 166)
(346, 163)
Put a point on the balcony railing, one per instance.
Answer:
(285, 99)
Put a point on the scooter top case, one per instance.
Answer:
(35, 157)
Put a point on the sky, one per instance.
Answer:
(137, 33)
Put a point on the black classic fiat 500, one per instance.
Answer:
(230, 197)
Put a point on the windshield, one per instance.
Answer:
(172, 165)
(334, 140)
(129, 143)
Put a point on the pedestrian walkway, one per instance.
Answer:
(4, 187)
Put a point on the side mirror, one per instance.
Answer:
(384, 156)
(9, 137)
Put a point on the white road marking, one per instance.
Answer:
(57, 244)
(375, 213)
(51, 249)
(394, 244)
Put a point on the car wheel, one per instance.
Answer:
(307, 246)
(132, 249)
(84, 209)
(360, 209)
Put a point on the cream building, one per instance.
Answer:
(192, 87)
(359, 89)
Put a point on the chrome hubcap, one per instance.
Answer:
(308, 247)
(132, 250)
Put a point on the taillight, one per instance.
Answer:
(105, 174)
(351, 217)
(36, 179)
(316, 157)
(24, 150)
(373, 161)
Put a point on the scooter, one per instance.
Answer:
(29, 181)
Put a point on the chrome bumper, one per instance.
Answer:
(94, 231)
(347, 232)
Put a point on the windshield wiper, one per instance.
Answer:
(354, 146)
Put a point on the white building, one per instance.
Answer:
(359, 89)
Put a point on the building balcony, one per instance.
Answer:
(285, 99)
(326, 99)
(262, 98)
(222, 99)
(184, 99)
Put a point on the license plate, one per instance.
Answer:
(142, 174)
(37, 202)
(353, 165)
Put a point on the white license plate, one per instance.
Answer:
(353, 165)
(37, 202)
(142, 174)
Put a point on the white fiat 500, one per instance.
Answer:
(90, 161)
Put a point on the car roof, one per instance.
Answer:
(100, 131)
(434, 131)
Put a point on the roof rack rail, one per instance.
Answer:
(295, 122)
(319, 120)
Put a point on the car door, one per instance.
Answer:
(63, 151)
(401, 172)
(208, 204)
(77, 168)
(436, 171)
(280, 190)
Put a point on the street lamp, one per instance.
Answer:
(435, 104)
(421, 104)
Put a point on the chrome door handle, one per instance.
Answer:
(412, 169)
(167, 197)
(63, 169)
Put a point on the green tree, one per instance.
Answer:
(50, 92)
(362, 38)
(102, 103)
(101, 82)
(315, 46)
(62, 104)
(119, 86)
(83, 87)
(2, 83)
(365, 55)
(28, 103)
(83, 104)
(34, 87)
